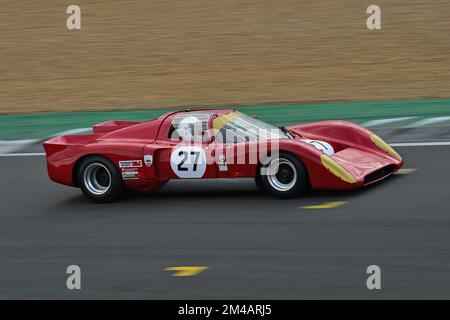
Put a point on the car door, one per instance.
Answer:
(235, 158)
(171, 158)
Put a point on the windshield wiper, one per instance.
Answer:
(287, 132)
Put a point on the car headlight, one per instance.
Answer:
(337, 169)
(384, 146)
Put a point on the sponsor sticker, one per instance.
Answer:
(148, 159)
(222, 164)
(129, 175)
(130, 164)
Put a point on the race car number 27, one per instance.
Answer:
(188, 162)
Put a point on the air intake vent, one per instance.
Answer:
(379, 174)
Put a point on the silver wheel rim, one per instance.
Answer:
(97, 178)
(276, 178)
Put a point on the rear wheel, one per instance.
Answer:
(99, 179)
(285, 176)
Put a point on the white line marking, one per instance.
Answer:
(428, 121)
(70, 131)
(35, 154)
(373, 123)
(11, 146)
(420, 144)
(24, 141)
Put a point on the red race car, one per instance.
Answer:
(205, 144)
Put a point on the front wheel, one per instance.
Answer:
(285, 176)
(99, 179)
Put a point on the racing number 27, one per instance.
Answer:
(185, 155)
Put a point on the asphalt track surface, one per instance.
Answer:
(255, 246)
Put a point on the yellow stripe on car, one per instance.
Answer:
(384, 146)
(336, 169)
(220, 121)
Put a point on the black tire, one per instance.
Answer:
(99, 179)
(290, 181)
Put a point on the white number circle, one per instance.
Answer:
(321, 145)
(188, 162)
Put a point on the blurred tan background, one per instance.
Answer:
(134, 54)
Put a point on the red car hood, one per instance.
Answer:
(360, 163)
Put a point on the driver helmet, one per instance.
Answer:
(190, 129)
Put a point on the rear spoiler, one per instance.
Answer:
(57, 144)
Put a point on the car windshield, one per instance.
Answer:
(238, 127)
